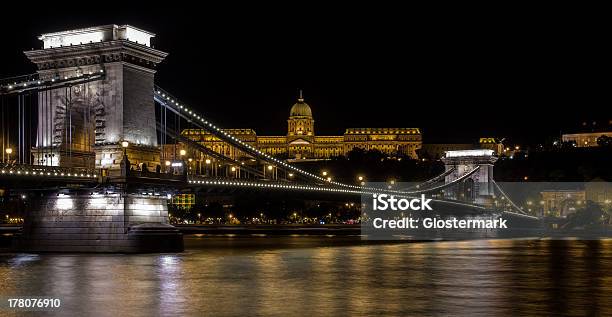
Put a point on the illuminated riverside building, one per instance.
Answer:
(183, 201)
(301, 142)
(491, 144)
(561, 203)
(588, 139)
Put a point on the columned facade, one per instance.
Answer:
(301, 142)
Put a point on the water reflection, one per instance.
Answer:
(280, 276)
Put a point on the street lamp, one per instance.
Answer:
(207, 161)
(124, 145)
(324, 173)
(182, 152)
(270, 167)
(8, 152)
(167, 163)
(360, 178)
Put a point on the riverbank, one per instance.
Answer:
(285, 229)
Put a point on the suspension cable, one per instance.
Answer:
(70, 123)
(19, 147)
(517, 208)
(431, 180)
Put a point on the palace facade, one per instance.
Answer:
(301, 142)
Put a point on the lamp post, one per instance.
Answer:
(272, 172)
(182, 154)
(124, 145)
(125, 163)
(8, 153)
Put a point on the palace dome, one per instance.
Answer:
(300, 109)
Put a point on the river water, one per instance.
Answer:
(324, 276)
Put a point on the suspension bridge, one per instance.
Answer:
(92, 143)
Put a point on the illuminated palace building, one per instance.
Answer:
(301, 142)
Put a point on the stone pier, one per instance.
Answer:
(98, 222)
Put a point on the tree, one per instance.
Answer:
(356, 154)
(604, 141)
(591, 216)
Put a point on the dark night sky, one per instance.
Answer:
(457, 77)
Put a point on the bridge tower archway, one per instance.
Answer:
(478, 187)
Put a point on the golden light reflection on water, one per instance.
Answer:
(280, 276)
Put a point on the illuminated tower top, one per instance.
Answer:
(91, 119)
(104, 33)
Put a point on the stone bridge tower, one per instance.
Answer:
(84, 125)
(478, 187)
